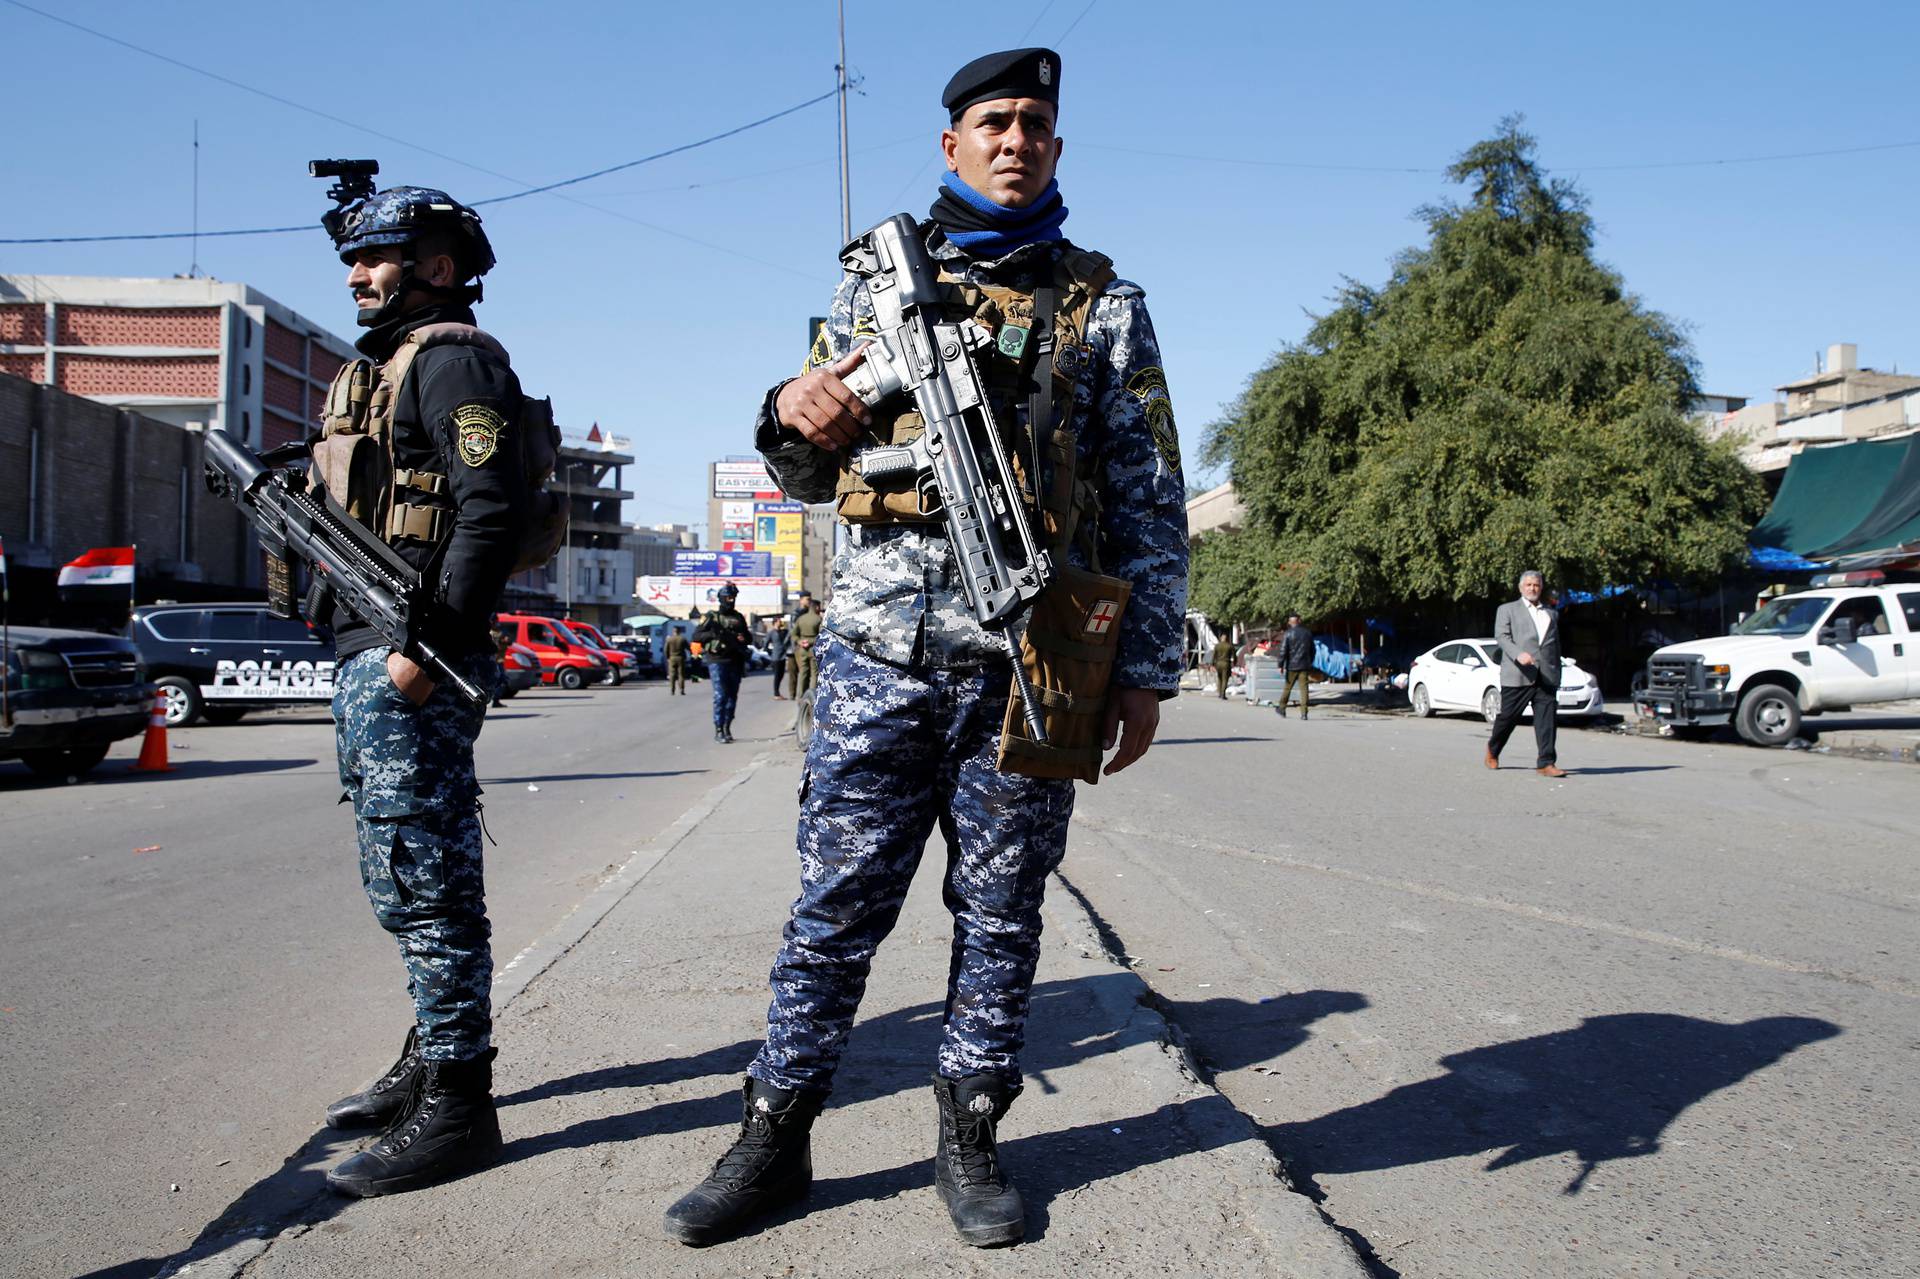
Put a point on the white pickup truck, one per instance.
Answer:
(1802, 654)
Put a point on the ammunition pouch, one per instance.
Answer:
(1071, 638)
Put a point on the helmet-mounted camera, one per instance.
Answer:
(353, 182)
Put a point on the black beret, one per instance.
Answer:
(1016, 73)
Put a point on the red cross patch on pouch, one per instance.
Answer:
(1102, 616)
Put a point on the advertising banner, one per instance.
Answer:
(778, 528)
(742, 479)
(727, 563)
(675, 595)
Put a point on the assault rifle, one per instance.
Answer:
(361, 572)
(959, 467)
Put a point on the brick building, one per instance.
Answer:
(80, 474)
(184, 350)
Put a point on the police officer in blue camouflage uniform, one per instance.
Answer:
(915, 694)
(724, 640)
(452, 501)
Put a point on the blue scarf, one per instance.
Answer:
(985, 229)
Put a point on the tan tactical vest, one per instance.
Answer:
(1072, 634)
(1080, 277)
(354, 458)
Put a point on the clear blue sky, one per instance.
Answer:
(1193, 132)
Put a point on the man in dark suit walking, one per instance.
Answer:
(1529, 636)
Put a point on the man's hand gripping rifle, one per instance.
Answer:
(959, 466)
(363, 573)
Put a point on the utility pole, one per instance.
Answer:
(846, 186)
(194, 268)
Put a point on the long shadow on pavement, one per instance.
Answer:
(113, 773)
(1606, 1089)
(890, 1054)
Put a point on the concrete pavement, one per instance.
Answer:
(623, 1038)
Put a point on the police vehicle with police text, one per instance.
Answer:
(219, 661)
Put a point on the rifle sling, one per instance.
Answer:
(1040, 405)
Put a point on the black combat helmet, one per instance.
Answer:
(400, 216)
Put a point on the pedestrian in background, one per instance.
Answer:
(777, 645)
(1223, 655)
(1296, 659)
(674, 650)
(1529, 636)
(501, 644)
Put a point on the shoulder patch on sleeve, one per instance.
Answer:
(1149, 385)
(476, 432)
(821, 353)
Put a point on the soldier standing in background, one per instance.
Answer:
(806, 641)
(915, 694)
(674, 652)
(1223, 654)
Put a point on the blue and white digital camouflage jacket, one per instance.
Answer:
(896, 590)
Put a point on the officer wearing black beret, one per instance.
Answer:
(920, 692)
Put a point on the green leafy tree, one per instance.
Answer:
(1502, 403)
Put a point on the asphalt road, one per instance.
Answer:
(190, 972)
(1659, 1018)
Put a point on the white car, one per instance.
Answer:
(1464, 675)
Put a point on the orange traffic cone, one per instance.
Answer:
(153, 750)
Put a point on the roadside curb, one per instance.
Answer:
(1312, 1246)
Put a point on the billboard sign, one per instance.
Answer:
(723, 564)
(778, 528)
(742, 479)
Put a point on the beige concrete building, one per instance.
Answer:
(1217, 508)
(1842, 401)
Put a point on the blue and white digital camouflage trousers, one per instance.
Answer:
(895, 751)
(408, 771)
(726, 690)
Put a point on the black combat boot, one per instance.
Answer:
(726, 732)
(449, 1129)
(385, 1097)
(768, 1166)
(719, 733)
(984, 1205)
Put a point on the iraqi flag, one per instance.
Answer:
(101, 566)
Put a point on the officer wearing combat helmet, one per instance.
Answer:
(420, 444)
(917, 729)
(724, 640)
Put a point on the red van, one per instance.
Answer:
(565, 658)
(619, 660)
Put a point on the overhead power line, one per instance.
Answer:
(440, 155)
(257, 92)
(1259, 162)
(497, 199)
